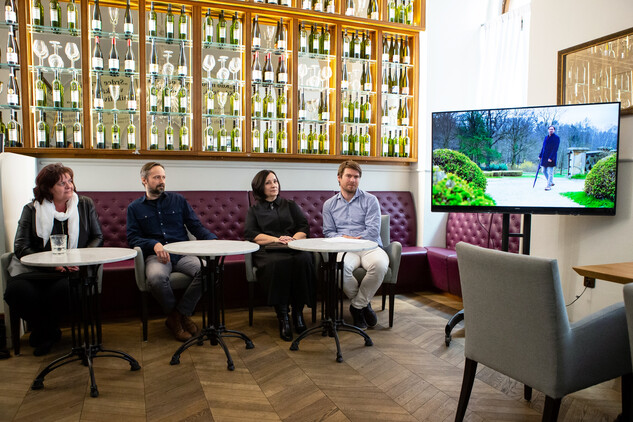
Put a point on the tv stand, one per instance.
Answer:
(505, 244)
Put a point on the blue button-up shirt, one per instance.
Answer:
(358, 217)
(164, 220)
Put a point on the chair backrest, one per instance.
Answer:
(480, 229)
(384, 230)
(400, 206)
(628, 302)
(5, 259)
(515, 316)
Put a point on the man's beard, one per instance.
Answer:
(157, 190)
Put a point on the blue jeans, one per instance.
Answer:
(158, 279)
(548, 172)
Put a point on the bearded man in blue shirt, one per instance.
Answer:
(355, 214)
(158, 218)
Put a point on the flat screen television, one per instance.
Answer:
(528, 160)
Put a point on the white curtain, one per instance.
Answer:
(504, 49)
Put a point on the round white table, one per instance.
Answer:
(333, 278)
(85, 309)
(211, 254)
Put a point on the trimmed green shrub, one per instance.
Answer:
(453, 190)
(600, 182)
(528, 166)
(457, 163)
(495, 167)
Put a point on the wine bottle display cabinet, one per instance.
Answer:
(283, 80)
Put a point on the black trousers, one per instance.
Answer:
(288, 274)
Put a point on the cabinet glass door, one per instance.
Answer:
(10, 82)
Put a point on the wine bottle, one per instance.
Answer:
(55, 14)
(236, 137)
(182, 96)
(392, 143)
(306, 4)
(368, 110)
(58, 91)
(282, 105)
(282, 72)
(71, 15)
(385, 113)
(405, 52)
(256, 138)
(97, 101)
(269, 139)
(313, 142)
(303, 39)
(325, 109)
(60, 131)
(281, 36)
(113, 61)
(13, 91)
(97, 56)
(366, 141)
(367, 47)
(361, 142)
(236, 101)
(365, 78)
(344, 80)
(169, 135)
(153, 59)
(393, 80)
(353, 142)
(209, 136)
(356, 110)
(14, 130)
(130, 63)
(313, 40)
(183, 136)
(153, 135)
(330, 7)
(257, 37)
(152, 21)
(384, 144)
(153, 95)
(346, 44)
(131, 134)
(236, 31)
(350, 107)
(396, 51)
(131, 95)
(256, 69)
(100, 132)
(42, 131)
(363, 110)
(115, 132)
(385, 50)
(269, 74)
(409, 13)
(404, 82)
(355, 47)
(349, 8)
(96, 17)
(363, 40)
(40, 90)
(282, 139)
(78, 140)
(209, 99)
(344, 143)
(13, 53)
(269, 104)
(256, 103)
(391, 11)
(301, 114)
(324, 143)
(400, 12)
(344, 108)
(3, 134)
(222, 136)
(317, 5)
(384, 86)
(169, 23)
(182, 61)
(183, 24)
(220, 29)
(37, 13)
(324, 40)
(372, 10)
(404, 118)
(302, 140)
(128, 23)
(208, 27)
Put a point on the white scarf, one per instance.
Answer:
(45, 213)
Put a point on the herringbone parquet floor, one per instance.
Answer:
(408, 375)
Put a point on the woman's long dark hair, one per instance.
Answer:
(46, 179)
(258, 183)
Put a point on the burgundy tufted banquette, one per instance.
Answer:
(477, 229)
(224, 213)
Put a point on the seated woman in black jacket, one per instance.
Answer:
(40, 295)
(272, 223)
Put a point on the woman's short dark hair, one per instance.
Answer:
(258, 183)
(46, 179)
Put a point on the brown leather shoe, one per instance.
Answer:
(173, 322)
(189, 325)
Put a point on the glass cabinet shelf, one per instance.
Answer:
(273, 51)
(62, 109)
(163, 40)
(222, 116)
(399, 96)
(10, 107)
(168, 113)
(319, 122)
(54, 30)
(271, 119)
(106, 72)
(271, 84)
(232, 82)
(116, 35)
(358, 91)
(317, 56)
(320, 89)
(123, 111)
(61, 70)
(224, 46)
(8, 65)
(355, 60)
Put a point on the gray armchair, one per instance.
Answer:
(517, 325)
(628, 302)
(177, 280)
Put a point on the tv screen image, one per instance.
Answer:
(530, 160)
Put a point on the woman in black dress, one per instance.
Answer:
(272, 223)
(40, 295)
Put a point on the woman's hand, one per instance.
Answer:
(66, 269)
(286, 239)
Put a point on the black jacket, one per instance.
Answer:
(28, 242)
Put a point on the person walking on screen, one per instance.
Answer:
(158, 218)
(355, 214)
(548, 155)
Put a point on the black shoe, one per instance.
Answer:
(370, 316)
(285, 332)
(43, 348)
(359, 318)
(298, 322)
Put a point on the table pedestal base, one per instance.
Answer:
(214, 335)
(85, 354)
(331, 328)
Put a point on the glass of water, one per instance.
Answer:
(58, 243)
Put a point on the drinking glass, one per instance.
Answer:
(326, 74)
(222, 97)
(59, 243)
(208, 64)
(115, 90)
(55, 60)
(168, 68)
(270, 33)
(72, 52)
(314, 80)
(235, 65)
(223, 73)
(303, 70)
(114, 17)
(41, 50)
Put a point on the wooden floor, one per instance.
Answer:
(408, 375)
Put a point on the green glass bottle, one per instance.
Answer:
(100, 132)
(58, 91)
(406, 142)
(353, 142)
(344, 108)
(282, 139)
(153, 95)
(153, 135)
(208, 27)
(372, 10)
(302, 112)
(269, 139)
(223, 136)
(236, 102)
(183, 136)
(78, 140)
(169, 135)
(384, 143)
(42, 131)
(302, 140)
(313, 143)
(183, 24)
(116, 132)
(169, 23)
(392, 143)
(324, 142)
(355, 46)
(55, 14)
(40, 90)
(72, 12)
(344, 142)
(282, 105)
(3, 133)
(166, 96)
(269, 105)
(183, 99)
(346, 44)
(313, 40)
(391, 11)
(131, 134)
(256, 103)
(400, 12)
(152, 21)
(37, 13)
(404, 82)
(209, 99)
(365, 142)
(356, 110)
(209, 136)
(220, 29)
(236, 137)
(14, 131)
(409, 12)
(60, 131)
(75, 92)
(236, 31)
(256, 137)
(303, 39)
